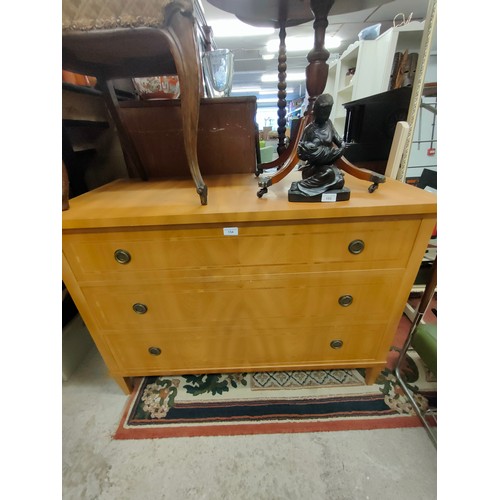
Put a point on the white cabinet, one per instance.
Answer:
(372, 61)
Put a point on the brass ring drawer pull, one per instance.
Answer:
(122, 256)
(356, 246)
(140, 308)
(154, 351)
(345, 300)
(336, 344)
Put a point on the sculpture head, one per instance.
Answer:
(322, 108)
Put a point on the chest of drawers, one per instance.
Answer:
(166, 286)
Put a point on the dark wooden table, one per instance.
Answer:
(282, 14)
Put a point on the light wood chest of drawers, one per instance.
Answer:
(167, 286)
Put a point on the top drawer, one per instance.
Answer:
(247, 249)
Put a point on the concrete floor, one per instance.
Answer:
(376, 464)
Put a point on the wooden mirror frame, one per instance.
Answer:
(418, 86)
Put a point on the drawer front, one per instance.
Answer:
(255, 249)
(278, 299)
(242, 349)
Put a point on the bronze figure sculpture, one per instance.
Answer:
(319, 147)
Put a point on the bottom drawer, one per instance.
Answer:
(138, 354)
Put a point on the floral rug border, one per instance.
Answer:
(384, 408)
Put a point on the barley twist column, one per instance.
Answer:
(281, 91)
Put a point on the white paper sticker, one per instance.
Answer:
(329, 197)
(230, 231)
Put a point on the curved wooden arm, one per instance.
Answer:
(361, 173)
(287, 154)
(289, 164)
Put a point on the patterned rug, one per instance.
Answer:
(273, 402)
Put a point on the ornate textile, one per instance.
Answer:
(86, 15)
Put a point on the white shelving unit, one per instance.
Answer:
(408, 37)
(373, 61)
(330, 87)
(358, 56)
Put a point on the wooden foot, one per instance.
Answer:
(126, 383)
(261, 192)
(203, 192)
(371, 375)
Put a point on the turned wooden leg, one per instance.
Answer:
(317, 69)
(65, 188)
(317, 76)
(132, 159)
(180, 33)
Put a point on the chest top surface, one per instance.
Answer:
(232, 198)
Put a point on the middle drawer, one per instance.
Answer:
(244, 300)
